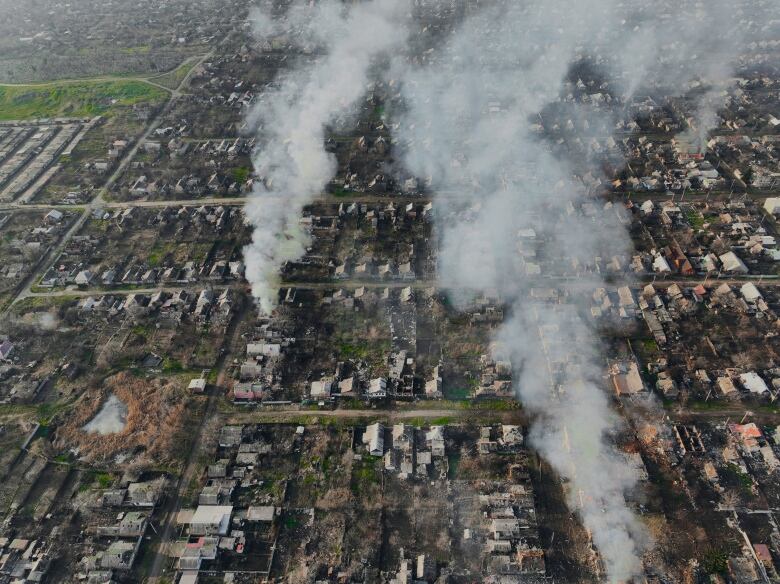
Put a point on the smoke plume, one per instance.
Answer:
(506, 117)
(511, 215)
(291, 160)
(508, 124)
(685, 49)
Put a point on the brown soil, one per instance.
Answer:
(156, 409)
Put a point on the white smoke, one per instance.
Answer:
(468, 129)
(291, 159)
(564, 390)
(47, 321)
(688, 48)
(516, 212)
(489, 121)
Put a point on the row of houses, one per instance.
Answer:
(734, 241)
(207, 306)
(142, 275)
(84, 261)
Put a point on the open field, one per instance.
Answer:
(73, 99)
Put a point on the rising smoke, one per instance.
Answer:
(496, 121)
(512, 219)
(291, 159)
(493, 121)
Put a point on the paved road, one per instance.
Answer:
(722, 412)
(103, 204)
(352, 284)
(90, 80)
(226, 201)
(583, 283)
(260, 416)
(124, 292)
(229, 201)
(360, 198)
(292, 413)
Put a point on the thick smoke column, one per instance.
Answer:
(489, 121)
(469, 130)
(291, 118)
(491, 124)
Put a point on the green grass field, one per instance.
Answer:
(73, 99)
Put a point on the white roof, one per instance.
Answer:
(377, 385)
(211, 514)
(261, 513)
(772, 204)
(753, 383)
(374, 437)
(265, 349)
(435, 433)
(197, 383)
(732, 263)
(750, 292)
(660, 264)
(321, 388)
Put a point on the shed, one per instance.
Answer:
(197, 385)
(261, 513)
